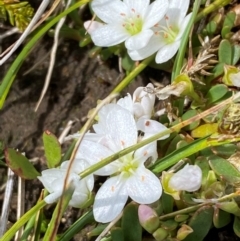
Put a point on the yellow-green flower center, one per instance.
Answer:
(129, 166)
(168, 32)
(132, 24)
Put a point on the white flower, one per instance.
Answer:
(130, 177)
(53, 181)
(127, 20)
(167, 34)
(141, 104)
(189, 179)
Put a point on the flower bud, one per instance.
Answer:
(160, 234)
(148, 218)
(231, 76)
(189, 179)
(183, 232)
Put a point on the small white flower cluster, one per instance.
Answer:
(146, 28)
(118, 127)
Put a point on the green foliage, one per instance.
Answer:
(52, 149)
(130, 222)
(201, 223)
(20, 164)
(18, 13)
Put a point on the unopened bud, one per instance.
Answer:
(148, 218)
(184, 231)
(160, 234)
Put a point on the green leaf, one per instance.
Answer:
(236, 54)
(236, 226)
(52, 149)
(224, 169)
(167, 203)
(117, 234)
(221, 218)
(228, 24)
(211, 27)
(225, 54)
(189, 114)
(216, 93)
(131, 227)
(230, 207)
(20, 165)
(201, 223)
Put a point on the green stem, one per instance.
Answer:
(10, 75)
(195, 207)
(212, 7)
(178, 64)
(11, 232)
(126, 81)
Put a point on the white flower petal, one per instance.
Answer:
(182, 5)
(49, 176)
(109, 11)
(110, 200)
(144, 187)
(121, 127)
(94, 152)
(53, 197)
(147, 151)
(153, 46)
(189, 179)
(109, 35)
(155, 13)
(235, 78)
(78, 198)
(126, 102)
(184, 24)
(91, 26)
(139, 40)
(167, 52)
(151, 127)
(138, 7)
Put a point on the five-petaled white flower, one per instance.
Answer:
(167, 34)
(53, 181)
(128, 20)
(115, 131)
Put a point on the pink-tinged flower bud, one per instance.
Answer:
(148, 218)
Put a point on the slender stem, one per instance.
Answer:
(212, 7)
(11, 232)
(126, 81)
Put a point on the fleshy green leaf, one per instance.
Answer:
(216, 93)
(201, 223)
(20, 165)
(52, 149)
(224, 169)
(221, 218)
(236, 226)
(131, 227)
(225, 52)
